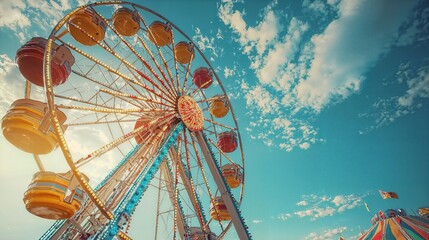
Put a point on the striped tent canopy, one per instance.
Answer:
(403, 228)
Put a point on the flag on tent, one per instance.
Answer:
(386, 195)
(366, 206)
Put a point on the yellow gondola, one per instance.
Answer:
(27, 125)
(160, 33)
(218, 108)
(126, 22)
(89, 23)
(232, 175)
(184, 52)
(218, 210)
(45, 196)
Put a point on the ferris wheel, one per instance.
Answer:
(134, 103)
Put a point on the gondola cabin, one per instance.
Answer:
(46, 196)
(86, 27)
(184, 52)
(232, 174)
(29, 59)
(218, 210)
(197, 233)
(126, 22)
(141, 136)
(203, 77)
(27, 125)
(227, 141)
(160, 33)
(218, 107)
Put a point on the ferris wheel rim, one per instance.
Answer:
(51, 98)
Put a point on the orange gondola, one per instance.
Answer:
(184, 52)
(219, 107)
(160, 33)
(86, 22)
(126, 22)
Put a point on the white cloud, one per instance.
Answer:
(284, 216)
(316, 5)
(205, 43)
(304, 145)
(20, 16)
(264, 100)
(418, 87)
(302, 73)
(327, 234)
(417, 28)
(12, 84)
(387, 110)
(339, 200)
(281, 54)
(251, 37)
(348, 47)
(324, 206)
(228, 72)
(12, 16)
(257, 221)
(317, 212)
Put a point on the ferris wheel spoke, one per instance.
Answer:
(134, 97)
(131, 84)
(147, 78)
(99, 122)
(102, 106)
(188, 69)
(219, 124)
(168, 86)
(159, 52)
(110, 69)
(113, 110)
(117, 142)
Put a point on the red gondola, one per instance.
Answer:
(30, 61)
(227, 141)
(203, 77)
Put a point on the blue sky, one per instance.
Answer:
(331, 98)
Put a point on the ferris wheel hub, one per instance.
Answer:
(190, 113)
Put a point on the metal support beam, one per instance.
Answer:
(223, 188)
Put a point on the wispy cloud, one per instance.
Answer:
(208, 44)
(327, 234)
(301, 68)
(386, 110)
(316, 207)
(21, 15)
(284, 216)
(347, 48)
(257, 221)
